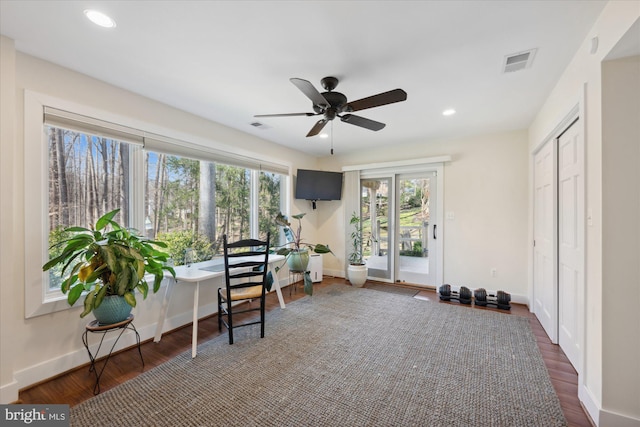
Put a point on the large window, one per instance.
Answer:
(88, 176)
(186, 195)
(187, 203)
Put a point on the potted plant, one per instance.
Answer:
(110, 266)
(296, 251)
(357, 270)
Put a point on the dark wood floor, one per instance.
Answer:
(76, 386)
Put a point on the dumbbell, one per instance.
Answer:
(464, 296)
(501, 300)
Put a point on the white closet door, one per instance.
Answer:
(545, 300)
(570, 241)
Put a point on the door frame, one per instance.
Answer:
(387, 169)
(576, 112)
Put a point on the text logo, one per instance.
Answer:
(35, 415)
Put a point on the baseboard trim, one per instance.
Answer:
(589, 404)
(611, 419)
(334, 273)
(75, 359)
(9, 392)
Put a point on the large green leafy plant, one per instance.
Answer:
(296, 244)
(108, 259)
(355, 256)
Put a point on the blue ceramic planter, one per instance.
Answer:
(113, 309)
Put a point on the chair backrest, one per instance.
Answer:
(246, 262)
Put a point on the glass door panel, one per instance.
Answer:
(415, 228)
(375, 208)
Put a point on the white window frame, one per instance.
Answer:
(39, 299)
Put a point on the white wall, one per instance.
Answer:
(37, 348)
(621, 236)
(10, 241)
(485, 187)
(584, 75)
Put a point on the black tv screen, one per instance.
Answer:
(318, 185)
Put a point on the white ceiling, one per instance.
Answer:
(228, 60)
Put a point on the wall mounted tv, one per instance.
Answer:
(318, 185)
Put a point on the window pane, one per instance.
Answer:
(233, 202)
(192, 203)
(269, 205)
(174, 198)
(88, 177)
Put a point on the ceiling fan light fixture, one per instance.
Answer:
(332, 104)
(324, 135)
(99, 18)
(449, 112)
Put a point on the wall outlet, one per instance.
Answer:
(494, 272)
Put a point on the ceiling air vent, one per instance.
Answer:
(259, 125)
(518, 61)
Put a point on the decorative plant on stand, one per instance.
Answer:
(357, 270)
(296, 251)
(109, 265)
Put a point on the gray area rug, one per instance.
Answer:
(347, 357)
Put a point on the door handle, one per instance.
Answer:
(435, 236)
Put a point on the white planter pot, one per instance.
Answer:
(357, 274)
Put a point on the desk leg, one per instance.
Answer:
(194, 335)
(163, 310)
(276, 283)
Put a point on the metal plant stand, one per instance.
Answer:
(96, 328)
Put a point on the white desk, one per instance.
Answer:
(195, 274)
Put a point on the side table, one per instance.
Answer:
(96, 328)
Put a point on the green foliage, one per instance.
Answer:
(295, 243)
(359, 238)
(180, 193)
(416, 250)
(294, 237)
(106, 263)
(355, 257)
(56, 236)
(178, 241)
(232, 201)
(268, 204)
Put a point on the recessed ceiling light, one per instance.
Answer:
(100, 18)
(449, 112)
(324, 135)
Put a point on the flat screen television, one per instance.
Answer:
(318, 185)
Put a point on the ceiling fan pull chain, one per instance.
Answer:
(332, 138)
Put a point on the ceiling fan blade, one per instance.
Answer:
(310, 91)
(384, 98)
(317, 127)
(286, 115)
(362, 122)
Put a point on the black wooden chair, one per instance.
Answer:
(245, 266)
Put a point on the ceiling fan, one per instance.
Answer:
(331, 104)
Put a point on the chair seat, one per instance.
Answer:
(243, 293)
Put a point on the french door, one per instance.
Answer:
(400, 213)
